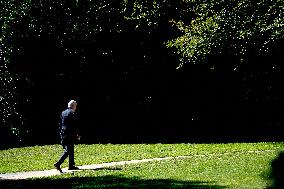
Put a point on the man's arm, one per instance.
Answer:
(76, 126)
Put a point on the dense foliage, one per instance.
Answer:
(51, 48)
(112, 57)
(237, 28)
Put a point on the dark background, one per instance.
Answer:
(126, 82)
(151, 102)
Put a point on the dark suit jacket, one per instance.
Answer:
(68, 130)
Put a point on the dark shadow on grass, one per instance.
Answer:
(110, 181)
(277, 172)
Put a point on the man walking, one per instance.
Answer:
(68, 134)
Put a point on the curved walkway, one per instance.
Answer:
(52, 172)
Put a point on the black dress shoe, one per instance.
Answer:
(58, 168)
(73, 168)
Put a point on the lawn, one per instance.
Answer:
(232, 165)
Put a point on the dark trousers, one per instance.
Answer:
(68, 151)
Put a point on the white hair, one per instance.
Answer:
(71, 103)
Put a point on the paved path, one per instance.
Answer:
(52, 172)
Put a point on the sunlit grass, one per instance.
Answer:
(233, 165)
(43, 157)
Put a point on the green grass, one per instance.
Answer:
(233, 165)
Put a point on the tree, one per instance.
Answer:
(240, 43)
(53, 46)
(11, 14)
(236, 28)
(119, 48)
